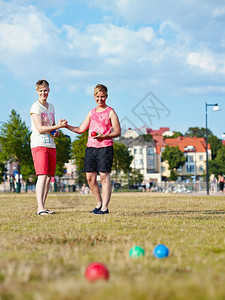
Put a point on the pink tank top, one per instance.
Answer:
(100, 123)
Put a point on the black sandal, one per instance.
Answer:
(95, 210)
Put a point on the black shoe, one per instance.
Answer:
(101, 212)
(95, 210)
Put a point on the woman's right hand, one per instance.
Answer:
(62, 123)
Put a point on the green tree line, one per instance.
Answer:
(15, 146)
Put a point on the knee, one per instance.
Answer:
(91, 181)
(105, 179)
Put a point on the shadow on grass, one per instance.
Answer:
(176, 212)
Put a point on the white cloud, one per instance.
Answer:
(206, 61)
(31, 43)
(194, 19)
(27, 39)
(205, 89)
(110, 40)
(218, 11)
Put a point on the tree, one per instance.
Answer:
(198, 132)
(147, 137)
(175, 158)
(2, 172)
(15, 142)
(217, 166)
(215, 145)
(63, 152)
(122, 159)
(135, 177)
(78, 153)
(174, 136)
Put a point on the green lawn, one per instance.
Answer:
(45, 257)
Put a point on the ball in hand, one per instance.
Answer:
(94, 133)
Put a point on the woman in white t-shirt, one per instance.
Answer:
(42, 143)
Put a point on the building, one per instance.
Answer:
(144, 152)
(194, 150)
(149, 161)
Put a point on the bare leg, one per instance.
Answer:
(93, 184)
(106, 190)
(47, 186)
(41, 191)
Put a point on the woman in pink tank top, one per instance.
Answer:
(104, 125)
(101, 124)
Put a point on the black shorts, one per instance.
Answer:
(98, 159)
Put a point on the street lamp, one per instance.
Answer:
(215, 108)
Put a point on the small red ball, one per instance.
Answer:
(96, 271)
(93, 134)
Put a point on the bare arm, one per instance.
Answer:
(83, 127)
(43, 129)
(115, 125)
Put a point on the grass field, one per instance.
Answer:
(45, 257)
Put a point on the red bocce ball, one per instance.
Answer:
(96, 271)
(93, 134)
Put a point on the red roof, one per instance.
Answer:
(183, 143)
(159, 143)
(160, 131)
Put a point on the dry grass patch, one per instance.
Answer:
(44, 257)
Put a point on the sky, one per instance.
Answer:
(162, 61)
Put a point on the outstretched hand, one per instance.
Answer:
(62, 123)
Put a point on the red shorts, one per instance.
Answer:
(44, 160)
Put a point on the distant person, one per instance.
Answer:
(12, 183)
(18, 181)
(103, 125)
(150, 185)
(221, 183)
(42, 143)
(84, 189)
(213, 183)
(144, 185)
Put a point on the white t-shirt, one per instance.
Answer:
(47, 119)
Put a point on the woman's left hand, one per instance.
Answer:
(100, 136)
(56, 134)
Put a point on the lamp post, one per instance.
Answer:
(215, 108)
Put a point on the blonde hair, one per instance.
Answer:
(100, 87)
(41, 83)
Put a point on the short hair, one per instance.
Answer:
(100, 87)
(41, 83)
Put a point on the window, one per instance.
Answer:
(150, 151)
(140, 151)
(201, 157)
(190, 158)
(141, 162)
(190, 169)
(163, 169)
(151, 162)
(135, 151)
(201, 168)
